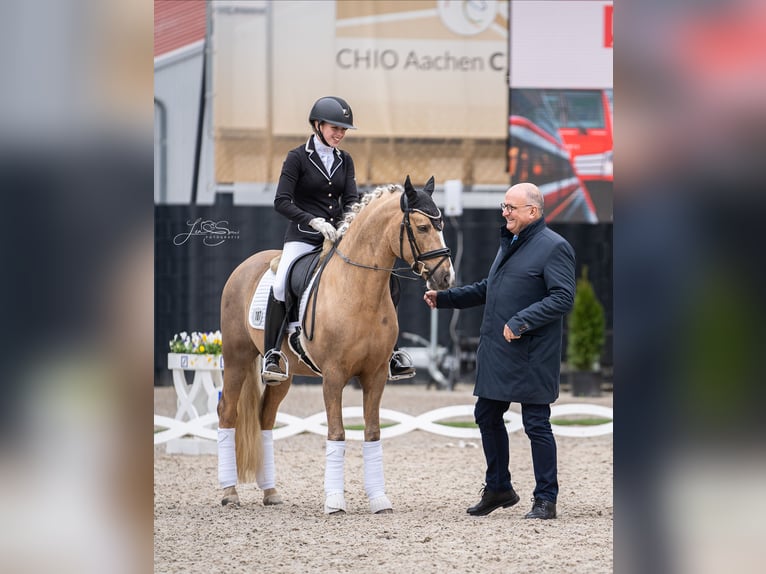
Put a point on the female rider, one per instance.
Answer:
(316, 188)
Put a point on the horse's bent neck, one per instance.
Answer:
(368, 239)
(367, 243)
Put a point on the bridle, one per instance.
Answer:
(418, 256)
(418, 266)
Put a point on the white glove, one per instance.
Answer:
(326, 229)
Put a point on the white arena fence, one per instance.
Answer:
(196, 418)
(290, 425)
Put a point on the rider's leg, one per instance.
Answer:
(400, 365)
(275, 313)
(272, 331)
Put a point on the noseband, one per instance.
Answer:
(418, 266)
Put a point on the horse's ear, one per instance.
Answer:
(412, 195)
(429, 188)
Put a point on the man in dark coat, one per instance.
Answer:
(529, 289)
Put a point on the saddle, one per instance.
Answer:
(298, 277)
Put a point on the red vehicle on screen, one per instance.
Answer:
(585, 124)
(537, 153)
(584, 118)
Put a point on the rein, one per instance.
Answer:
(417, 255)
(418, 258)
(314, 292)
(393, 270)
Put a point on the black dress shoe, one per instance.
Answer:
(491, 500)
(544, 509)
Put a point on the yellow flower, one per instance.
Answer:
(202, 348)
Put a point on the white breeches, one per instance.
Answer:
(290, 252)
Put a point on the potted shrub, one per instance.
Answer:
(585, 339)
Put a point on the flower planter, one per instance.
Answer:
(197, 401)
(195, 361)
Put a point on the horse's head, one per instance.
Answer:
(422, 227)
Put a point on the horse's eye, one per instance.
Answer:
(423, 228)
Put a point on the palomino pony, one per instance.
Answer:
(354, 326)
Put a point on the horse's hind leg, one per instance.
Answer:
(234, 377)
(272, 398)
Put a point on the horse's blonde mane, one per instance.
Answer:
(365, 200)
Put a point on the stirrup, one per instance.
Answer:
(406, 375)
(270, 377)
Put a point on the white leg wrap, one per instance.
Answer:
(374, 483)
(227, 458)
(266, 475)
(333, 476)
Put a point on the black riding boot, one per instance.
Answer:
(400, 365)
(273, 328)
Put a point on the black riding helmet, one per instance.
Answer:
(332, 110)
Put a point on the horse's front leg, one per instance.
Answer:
(335, 450)
(372, 448)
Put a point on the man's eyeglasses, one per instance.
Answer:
(512, 208)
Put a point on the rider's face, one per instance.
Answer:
(332, 134)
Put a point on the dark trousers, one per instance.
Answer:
(494, 440)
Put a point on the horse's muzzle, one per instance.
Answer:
(443, 277)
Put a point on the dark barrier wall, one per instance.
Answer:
(190, 272)
(197, 247)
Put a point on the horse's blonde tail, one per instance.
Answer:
(249, 447)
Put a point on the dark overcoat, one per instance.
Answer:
(530, 288)
(306, 190)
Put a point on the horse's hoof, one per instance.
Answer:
(380, 505)
(335, 503)
(230, 497)
(271, 497)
